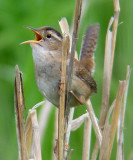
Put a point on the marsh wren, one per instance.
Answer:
(47, 53)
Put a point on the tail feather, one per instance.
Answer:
(88, 47)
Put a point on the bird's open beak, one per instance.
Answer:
(37, 39)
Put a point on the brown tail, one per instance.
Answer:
(88, 47)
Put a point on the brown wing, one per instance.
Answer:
(86, 77)
(88, 47)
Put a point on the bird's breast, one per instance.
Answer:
(48, 75)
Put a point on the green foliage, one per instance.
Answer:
(14, 15)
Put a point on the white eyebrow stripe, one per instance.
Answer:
(55, 35)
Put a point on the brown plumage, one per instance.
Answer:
(88, 47)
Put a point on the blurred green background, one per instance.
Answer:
(14, 14)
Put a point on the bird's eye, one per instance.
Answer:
(48, 35)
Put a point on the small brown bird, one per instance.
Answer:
(47, 53)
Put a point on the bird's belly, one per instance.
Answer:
(49, 87)
(48, 80)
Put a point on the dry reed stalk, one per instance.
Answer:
(86, 139)
(111, 108)
(106, 78)
(19, 114)
(120, 154)
(36, 135)
(62, 23)
(105, 142)
(77, 17)
(28, 132)
(42, 123)
(109, 53)
(109, 130)
(55, 134)
(76, 123)
(70, 119)
(112, 50)
(62, 98)
(29, 129)
(115, 116)
(64, 110)
(65, 30)
(106, 84)
(38, 105)
(94, 122)
(114, 31)
(65, 49)
(106, 134)
(68, 131)
(43, 117)
(64, 26)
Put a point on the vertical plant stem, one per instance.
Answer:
(77, 17)
(106, 78)
(28, 133)
(106, 84)
(95, 151)
(71, 113)
(113, 39)
(70, 67)
(36, 135)
(115, 116)
(106, 134)
(121, 119)
(87, 139)
(110, 40)
(62, 99)
(43, 117)
(68, 131)
(94, 121)
(55, 135)
(115, 26)
(19, 113)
